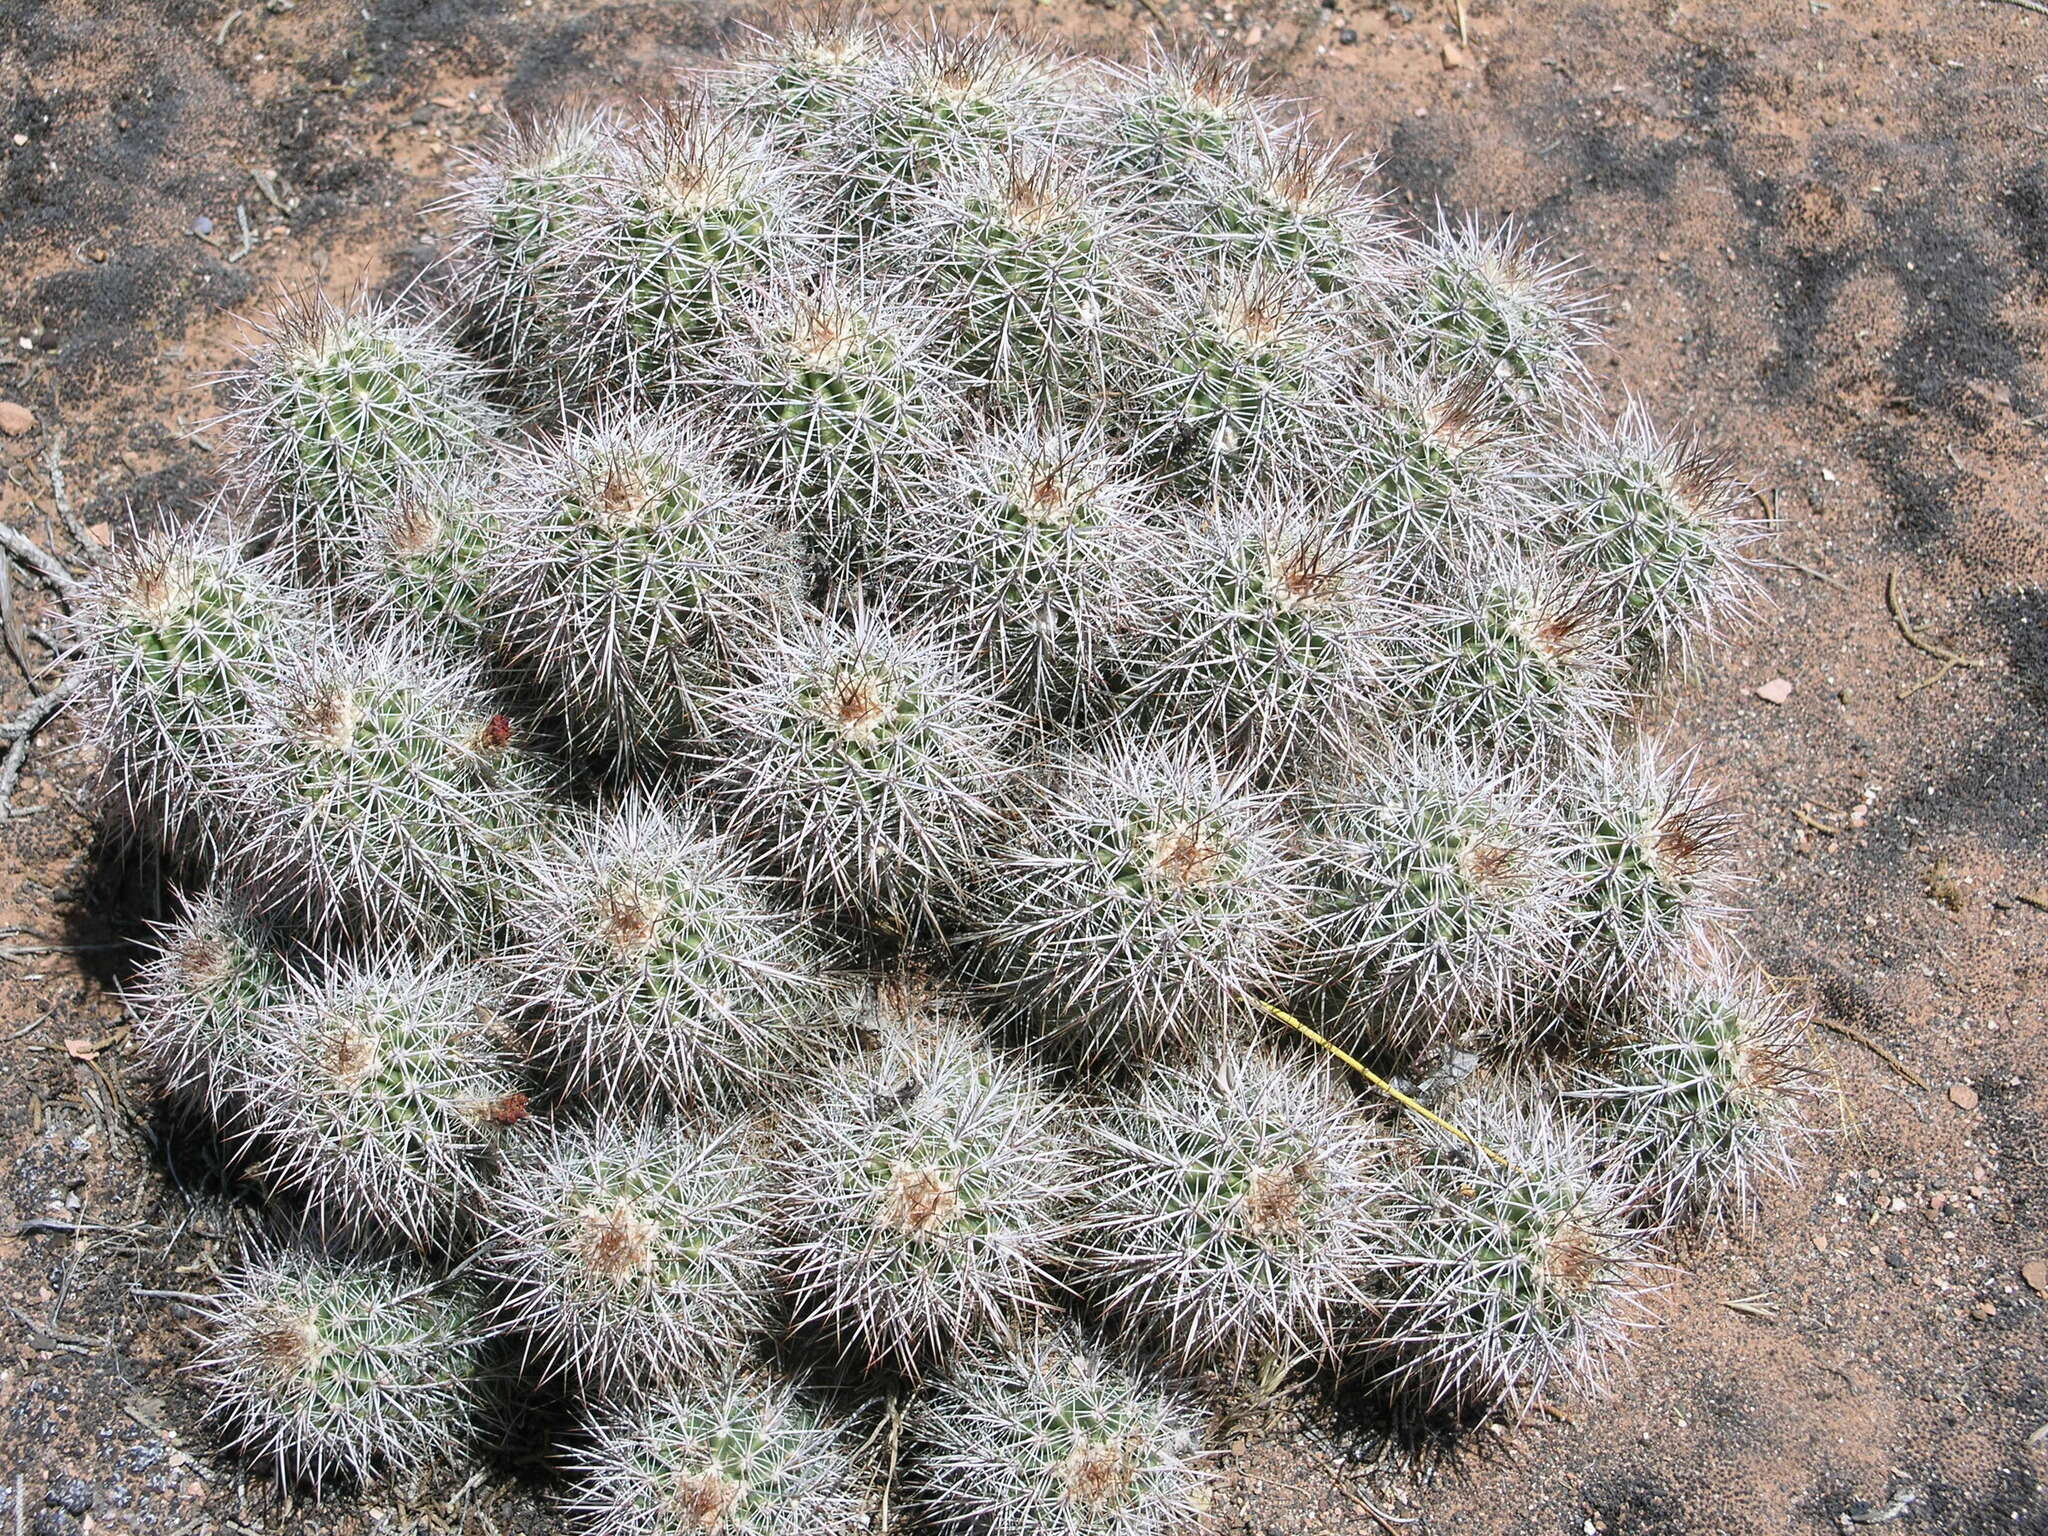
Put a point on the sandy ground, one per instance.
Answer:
(1821, 230)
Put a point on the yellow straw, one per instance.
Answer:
(1377, 1081)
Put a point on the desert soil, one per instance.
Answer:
(1820, 229)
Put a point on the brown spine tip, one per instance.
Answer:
(1099, 1473)
(509, 1110)
(496, 734)
(703, 1501)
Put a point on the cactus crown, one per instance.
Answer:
(343, 408)
(1514, 1275)
(1270, 637)
(1029, 553)
(1180, 115)
(800, 83)
(1707, 1085)
(1154, 892)
(1657, 530)
(699, 218)
(944, 102)
(631, 575)
(199, 1001)
(1480, 308)
(875, 764)
(388, 797)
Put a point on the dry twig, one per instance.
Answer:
(1895, 601)
(39, 562)
(23, 730)
(1851, 1032)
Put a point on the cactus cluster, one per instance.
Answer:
(754, 785)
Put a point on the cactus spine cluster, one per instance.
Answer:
(654, 967)
(1057, 1437)
(766, 755)
(329, 1371)
(633, 1256)
(929, 1189)
(1517, 1263)
(1234, 1215)
(745, 1454)
(379, 1093)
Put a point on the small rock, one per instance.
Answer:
(1963, 1096)
(1254, 36)
(55, 1522)
(1776, 691)
(73, 1495)
(1347, 35)
(16, 420)
(1455, 57)
(2035, 1273)
(1896, 1259)
(202, 226)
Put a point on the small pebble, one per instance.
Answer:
(1347, 35)
(16, 420)
(1963, 1096)
(202, 225)
(73, 1495)
(1776, 691)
